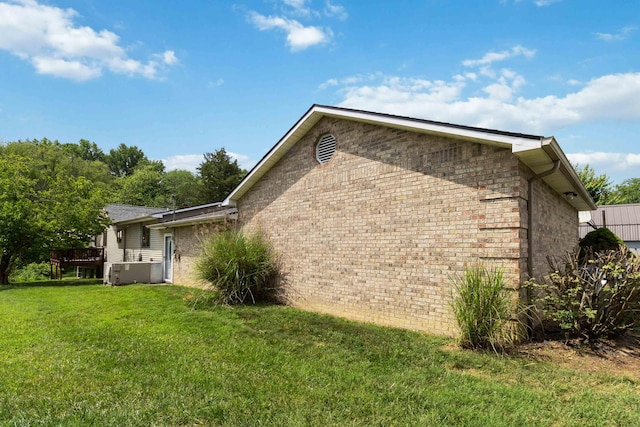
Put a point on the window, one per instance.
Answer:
(146, 237)
(325, 148)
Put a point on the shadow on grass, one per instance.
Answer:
(51, 283)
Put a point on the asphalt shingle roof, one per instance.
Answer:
(119, 213)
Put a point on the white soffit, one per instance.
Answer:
(416, 125)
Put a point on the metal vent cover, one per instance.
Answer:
(325, 148)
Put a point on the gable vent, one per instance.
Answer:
(325, 148)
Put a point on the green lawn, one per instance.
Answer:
(138, 355)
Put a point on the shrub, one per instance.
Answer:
(601, 239)
(241, 268)
(32, 272)
(483, 308)
(593, 296)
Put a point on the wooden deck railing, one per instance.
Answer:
(80, 257)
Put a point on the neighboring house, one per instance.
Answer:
(183, 233)
(372, 214)
(130, 240)
(155, 245)
(623, 220)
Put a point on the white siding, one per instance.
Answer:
(113, 249)
(157, 245)
(135, 251)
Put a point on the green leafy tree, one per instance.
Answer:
(86, 150)
(43, 208)
(599, 186)
(220, 175)
(53, 158)
(143, 187)
(122, 161)
(185, 186)
(628, 191)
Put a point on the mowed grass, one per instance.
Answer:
(140, 356)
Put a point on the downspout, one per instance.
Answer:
(554, 169)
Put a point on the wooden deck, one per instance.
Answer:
(83, 257)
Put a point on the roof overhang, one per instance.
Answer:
(565, 182)
(536, 152)
(138, 220)
(220, 216)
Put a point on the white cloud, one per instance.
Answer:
(299, 37)
(299, 8)
(351, 80)
(243, 160)
(74, 70)
(492, 57)
(615, 161)
(615, 96)
(169, 57)
(216, 83)
(47, 37)
(191, 162)
(335, 10)
(188, 162)
(541, 3)
(623, 34)
(296, 4)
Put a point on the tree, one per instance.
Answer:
(219, 175)
(143, 187)
(599, 186)
(43, 208)
(86, 150)
(52, 157)
(628, 191)
(185, 186)
(122, 161)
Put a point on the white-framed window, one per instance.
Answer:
(325, 148)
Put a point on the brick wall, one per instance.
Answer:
(375, 233)
(188, 248)
(555, 227)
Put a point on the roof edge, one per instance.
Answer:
(515, 141)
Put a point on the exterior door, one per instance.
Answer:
(168, 258)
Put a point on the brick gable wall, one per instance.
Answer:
(376, 233)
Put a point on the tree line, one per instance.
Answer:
(604, 192)
(52, 194)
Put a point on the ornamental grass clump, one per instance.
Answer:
(591, 295)
(483, 308)
(240, 267)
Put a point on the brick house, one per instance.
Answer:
(372, 213)
(155, 245)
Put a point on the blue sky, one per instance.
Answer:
(178, 79)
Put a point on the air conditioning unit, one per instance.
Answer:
(123, 273)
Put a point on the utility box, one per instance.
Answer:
(123, 273)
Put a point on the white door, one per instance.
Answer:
(168, 257)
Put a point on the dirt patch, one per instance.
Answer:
(618, 357)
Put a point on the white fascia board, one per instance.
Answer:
(571, 174)
(136, 220)
(273, 155)
(517, 143)
(218, 217)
